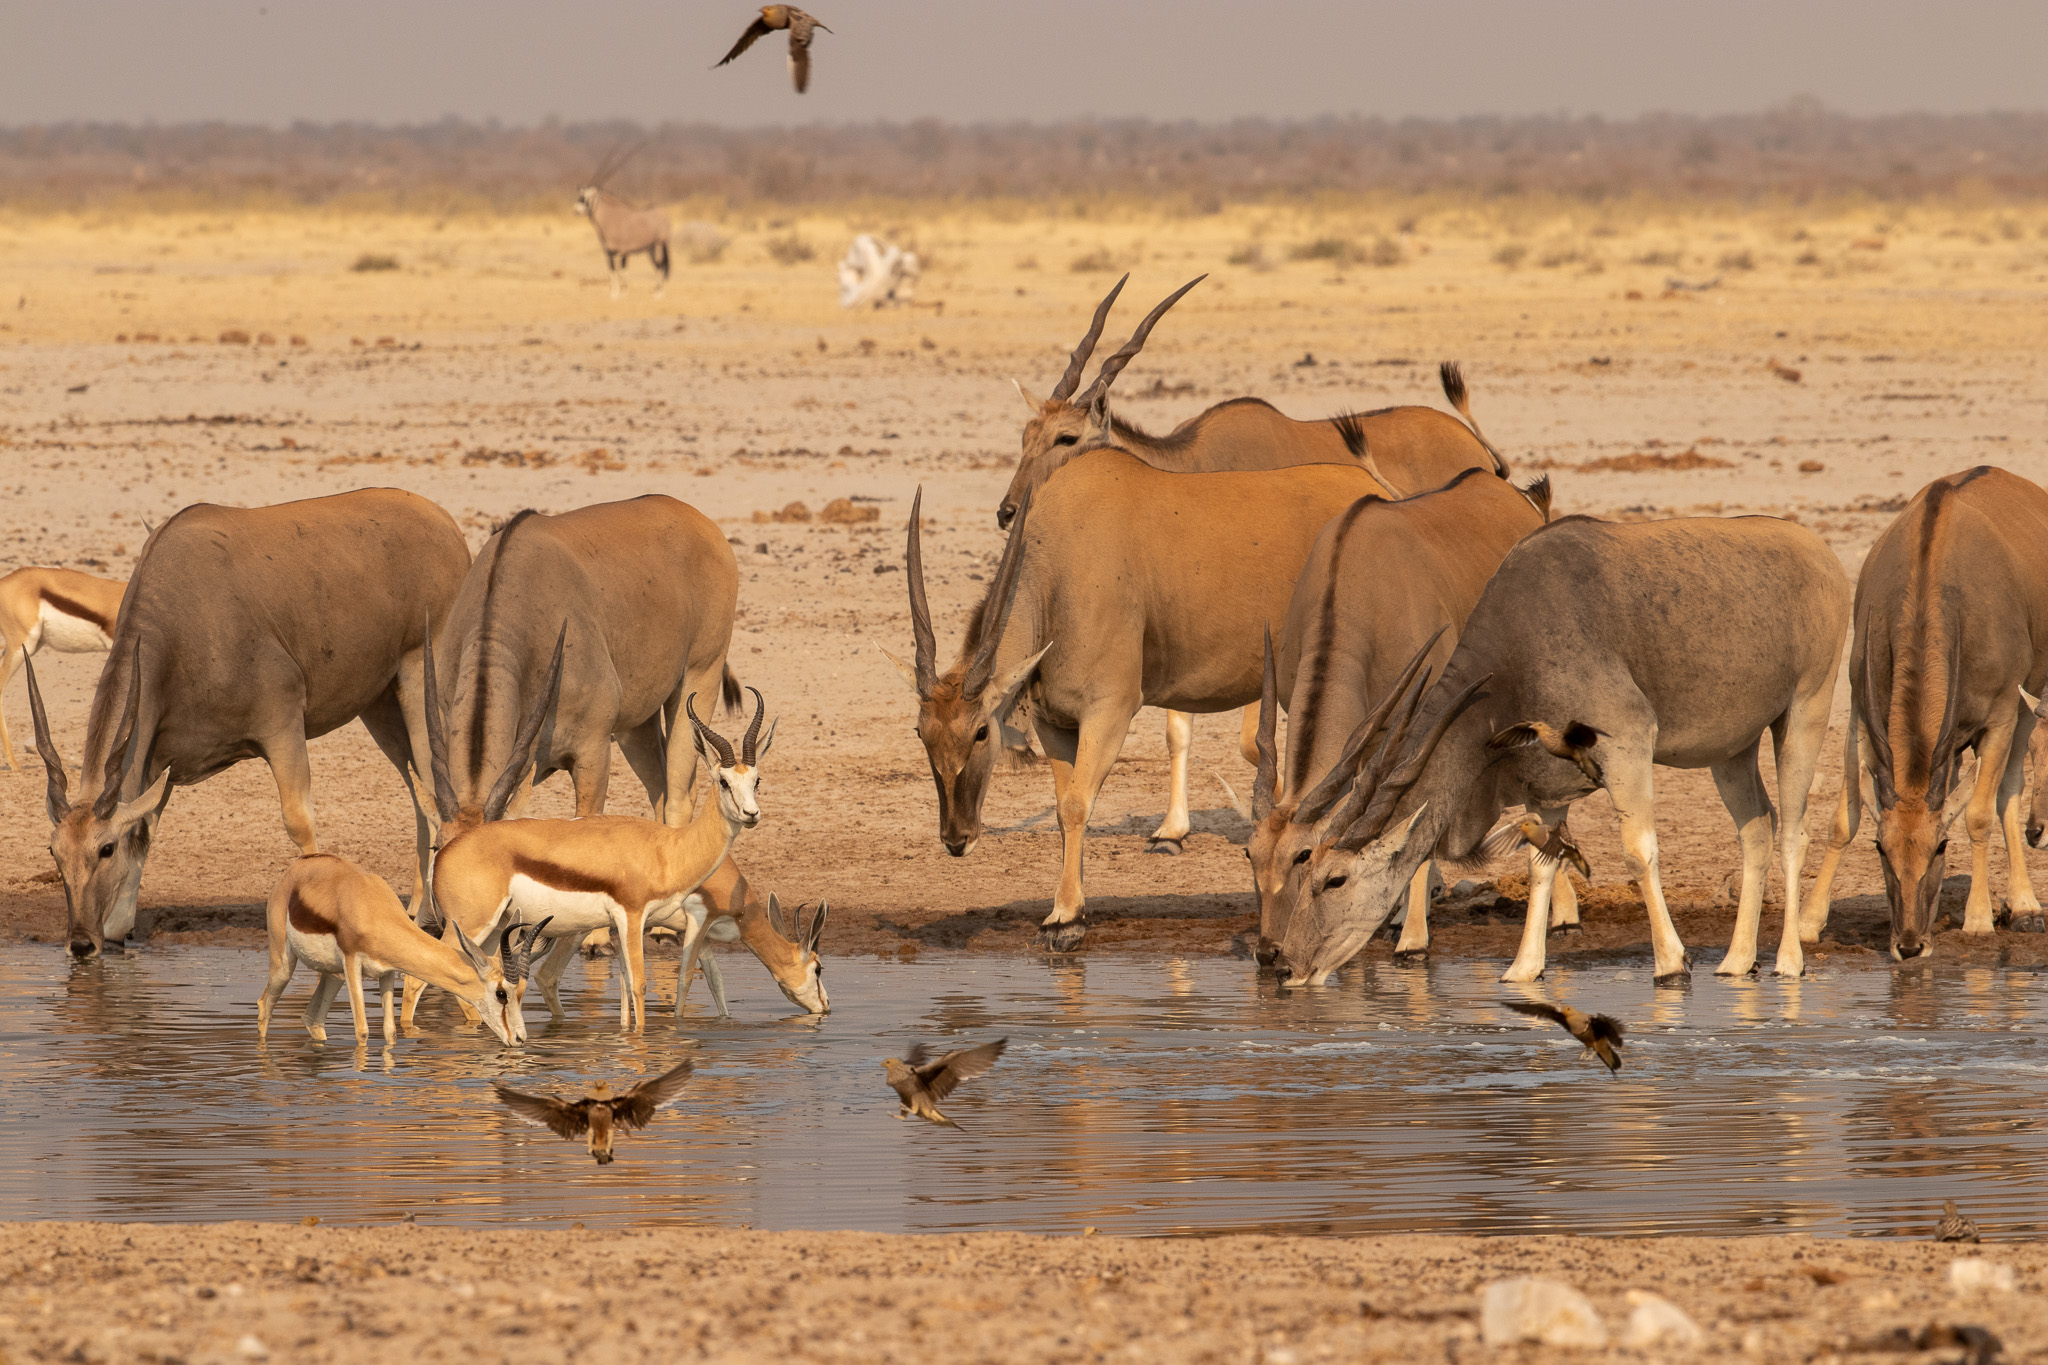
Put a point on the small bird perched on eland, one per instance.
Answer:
(1599, 1032)
(799, 24)
(1954, 1227)
(600, 1113)
(921, 1081)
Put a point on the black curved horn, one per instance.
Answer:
(753, 734)
(707, 735)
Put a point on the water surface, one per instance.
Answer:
(1139, 1095)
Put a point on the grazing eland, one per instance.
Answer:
(244, 633)
(1951, 636)
(1597, 651)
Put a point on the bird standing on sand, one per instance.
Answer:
(799, 24)
(601, 1113)
(1953, 1227)
(921, 1082)
(1599, 1032)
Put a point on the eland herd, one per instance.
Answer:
(1457, 666)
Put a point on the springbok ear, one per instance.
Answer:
(761, 749)
(775, 915)
(817, 929)
(1005, 689)
(1029, 401)
(471, 954)
(909, 673)
(146, 804)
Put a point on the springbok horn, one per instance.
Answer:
(59, 798)
(1317, 803)
(753, 728)
(1378, 758)
(1002, 594)
(123, 747)
(920, 609)
(526, 743)
(1880, 733)
(1390, 790)
(1079, 361)
(708, 735)
(1114, 366)
(526, 947)
(1268, 775)
(437, 734)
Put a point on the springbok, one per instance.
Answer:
(69, 611)
(621, 611)
(624, 230)
(1387, 584)
(342, 920)
(1407, 450)
(1596, 651)
(1951, 635)
(604, 871)
(244, 633)
(1101, 612)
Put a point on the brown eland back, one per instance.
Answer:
(1951, 625)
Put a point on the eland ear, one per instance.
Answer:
(1098, 412)
(1005, 689)
(1400, 841)
(909, 673)
(1029, 401)
(147, 803)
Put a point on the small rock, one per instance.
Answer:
(1539, 1310)
(846, 512)
(1656, 1321)
(234, 336)
(1975, 1274)
(251, 1347)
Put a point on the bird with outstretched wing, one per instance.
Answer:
(600, 1113)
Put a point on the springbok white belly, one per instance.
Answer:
(574, 912)
(672, 914)
(65, 633)
(322, 952)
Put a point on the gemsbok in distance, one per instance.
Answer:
(1099, 612)
(1597, 651)
(624, 230)
(604, 871)
(621, 611)
(1407, 449)
(61, 609)
(1385, 591)
(342, 921)
(1951, 637)
(246, 632)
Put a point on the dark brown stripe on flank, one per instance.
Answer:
(305, 918)
(78, 609)
(563, 878)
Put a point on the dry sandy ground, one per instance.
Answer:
(243, 1291)
(496, 374)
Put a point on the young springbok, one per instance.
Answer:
(341, 920)
(63, 609)
(606, 871)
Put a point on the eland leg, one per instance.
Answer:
(1078, 767)
(293, 772)
(1173, 830)
(1742, 792)
(1632, 784)
(1995, 752)
(2019, 887)
(1797, 741)
(1530, 955)
(1813, 916)
(386, 721)
(642, 746)
(1414, 942)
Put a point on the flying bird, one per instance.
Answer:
(1599, 1032)
(600, 1113)
(1953, 1227)
(799, 24)
(921, 1082)
(1573, 743)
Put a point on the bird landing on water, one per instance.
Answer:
(599, 1114)
(921, 1081)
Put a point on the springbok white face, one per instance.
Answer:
(735, 778)
(808, 990)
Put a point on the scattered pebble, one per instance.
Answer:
(251, 1347)
(1539, 1310)
(1975, 1274)
(1656, 1321)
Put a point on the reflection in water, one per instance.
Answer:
(1138, 1095)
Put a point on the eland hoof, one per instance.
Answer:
(1563, 930)
(1170, 847)
(1062, 938)
(1681, 977)
(1414, 957)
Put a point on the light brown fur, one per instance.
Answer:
(27, 596)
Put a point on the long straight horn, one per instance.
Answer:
(59, 797)
(1945, 737)
(437, 735)
(1114, 366)
(1002, 595)
(123, 746)
(1268, 775)
(1390, 791)
(525, 743)
(1879, 726)
(707, 734)
(920, 609)
(1317, 803)
(1378, 758)
(1079, 362)
(753, 734)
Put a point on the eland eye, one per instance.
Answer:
(981, 734)
(106, 850)
(1941, 848)
(1301, 858)
(1334, 883)
(1066, 440)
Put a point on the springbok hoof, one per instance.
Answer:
(1170, 847)
(1062, 938)
(1414, 957)
(1681, 977)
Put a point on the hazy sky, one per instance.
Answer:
(393, 61)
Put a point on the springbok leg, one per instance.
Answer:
(1173, 830)
(8, 663)
(1813, 917)
(283, 961)
(1742, 792)
(325, 988)
(352, 978)
(548, 976)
